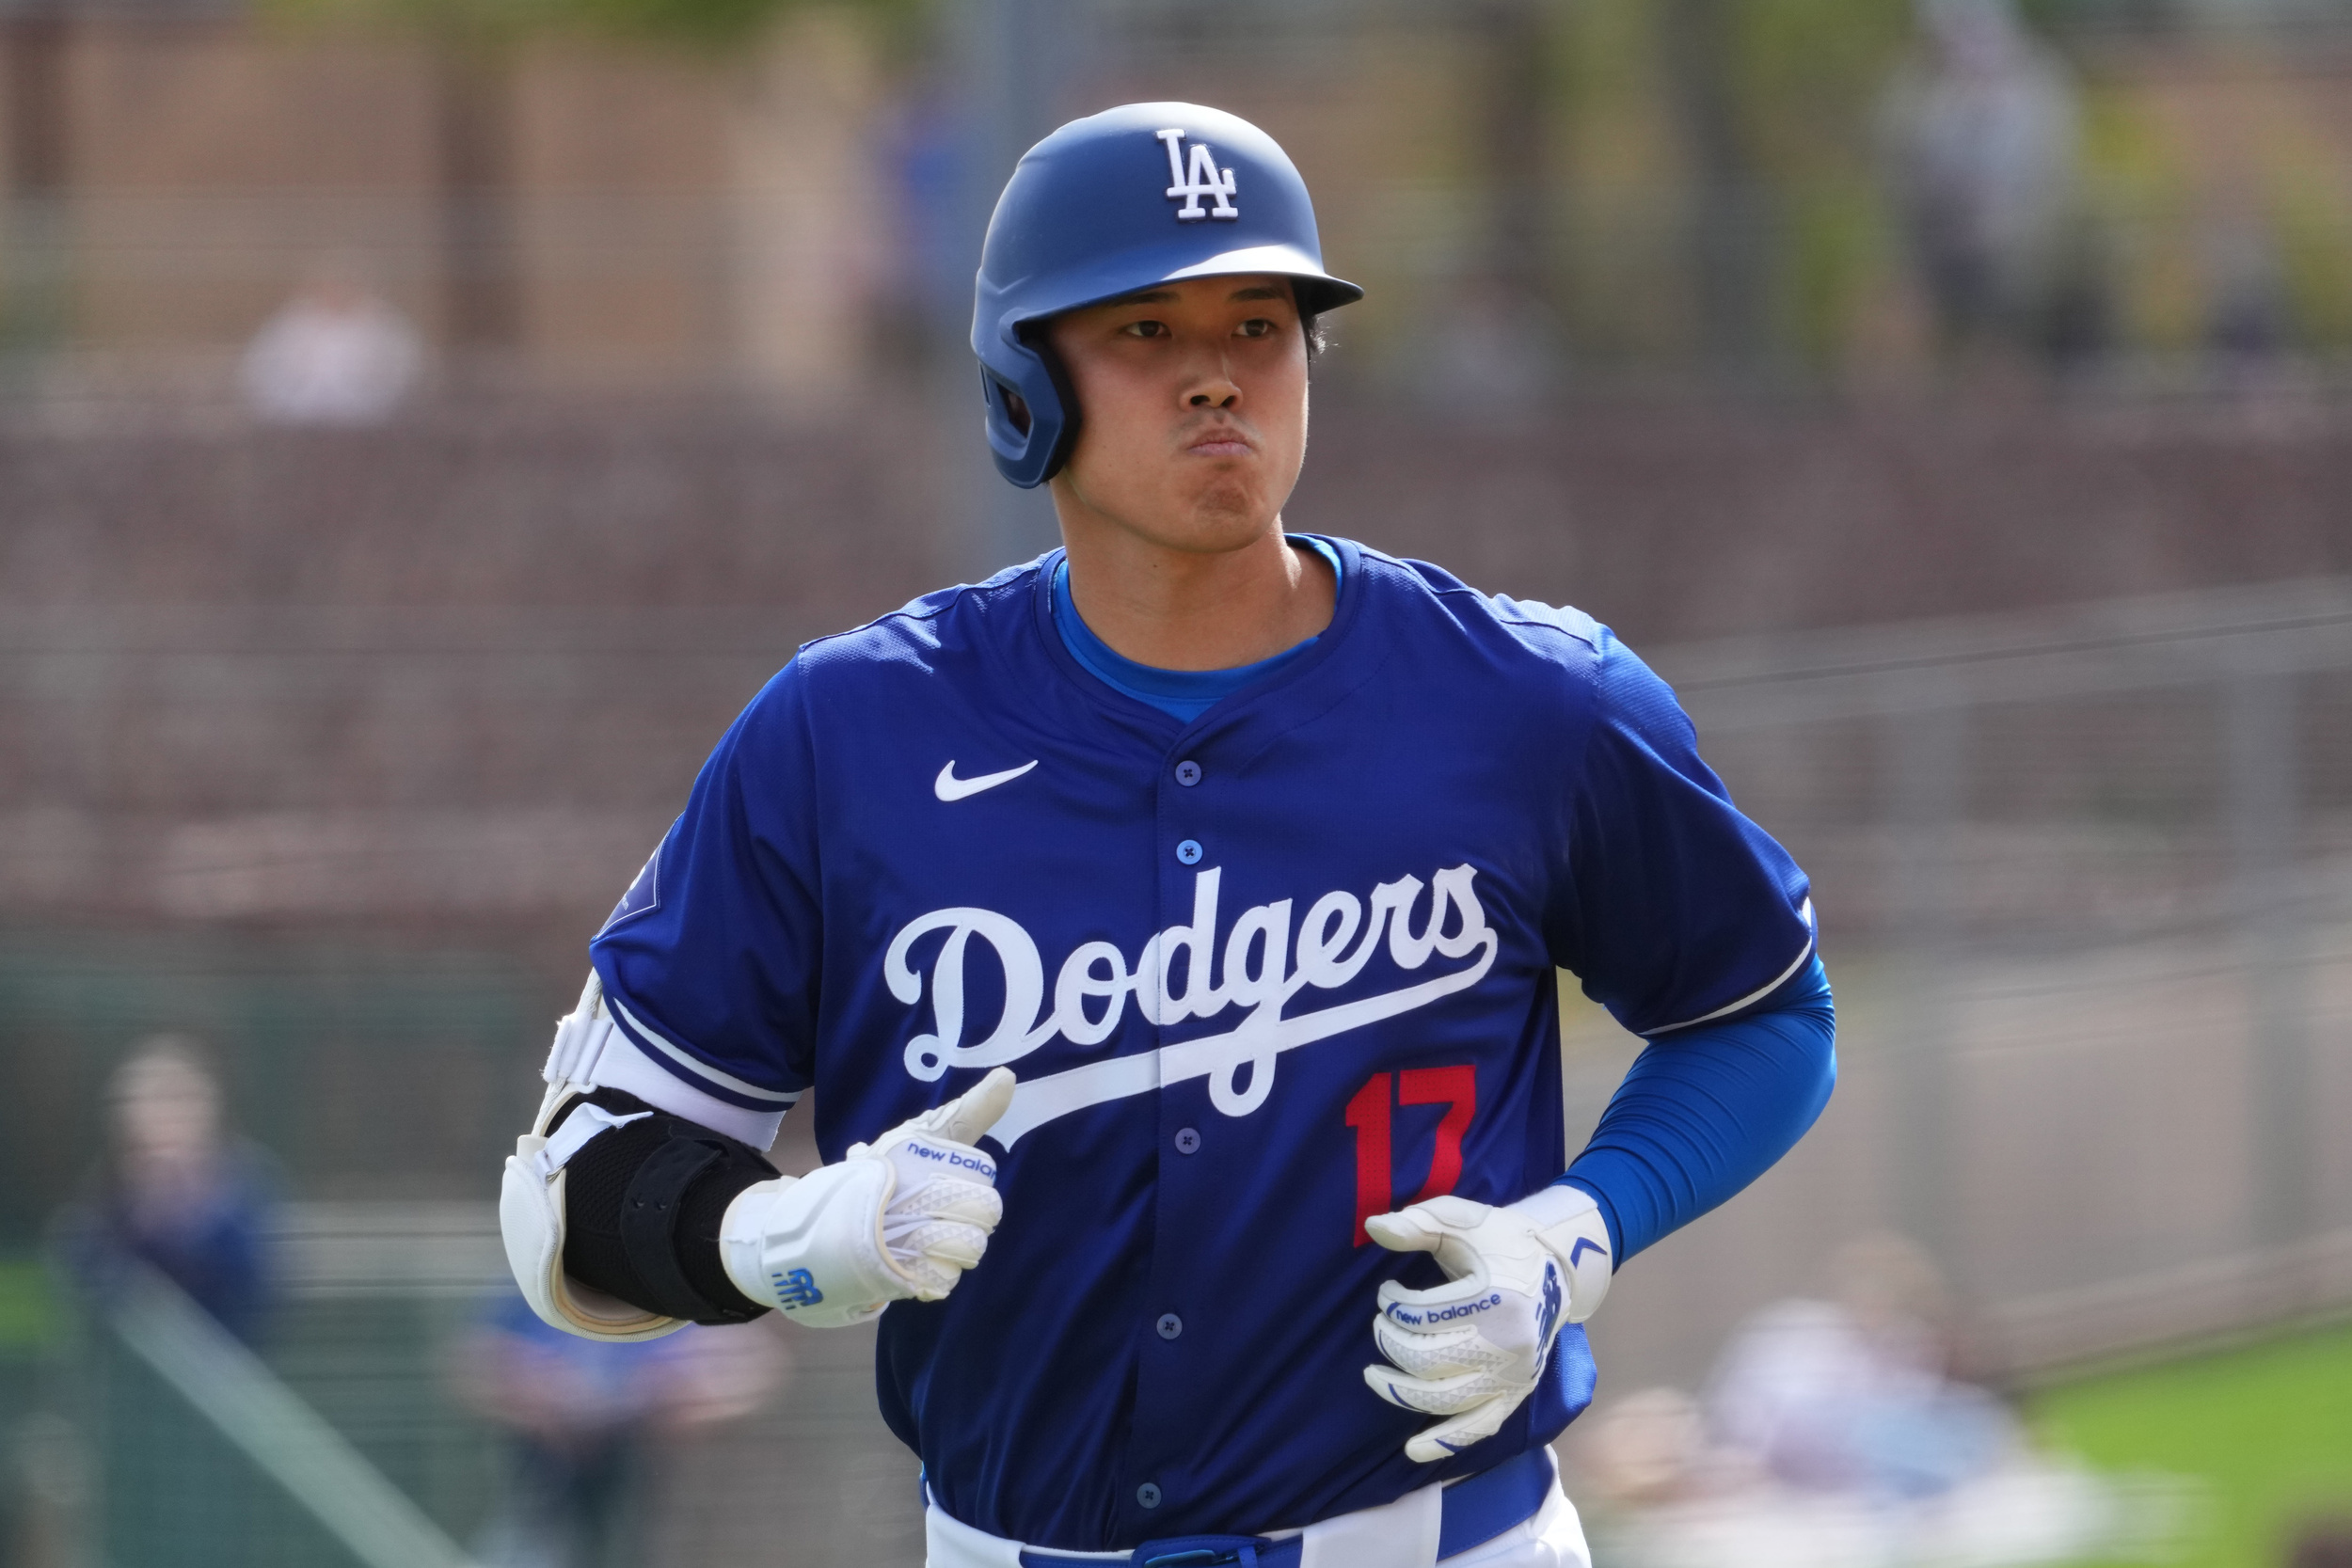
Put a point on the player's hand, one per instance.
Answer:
(1472, 1349)
(901, 1218)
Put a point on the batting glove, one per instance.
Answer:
(1472, 1349)
(901, 1218)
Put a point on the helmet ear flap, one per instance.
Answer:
(1032, 416)
(1065, 397)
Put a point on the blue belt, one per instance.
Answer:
(1470, 1514)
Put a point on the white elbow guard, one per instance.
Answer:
(531, 1195)
(900, 1219)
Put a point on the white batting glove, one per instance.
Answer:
(901, 1218)
(1471, 1350)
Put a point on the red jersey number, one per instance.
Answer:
(1371, 1115)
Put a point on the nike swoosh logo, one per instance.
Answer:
(948, 787)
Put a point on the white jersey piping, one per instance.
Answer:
(700, 1070)
(1811, 937)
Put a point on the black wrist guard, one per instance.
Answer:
(642, 1208)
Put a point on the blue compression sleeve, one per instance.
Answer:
(1706, 1111)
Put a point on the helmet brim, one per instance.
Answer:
(1117, 277)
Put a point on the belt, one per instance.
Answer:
(1472, 1512)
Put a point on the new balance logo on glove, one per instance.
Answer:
(796, 1288)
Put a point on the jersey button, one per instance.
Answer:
(1147, 1495)
(1187, 772)
(1187, 1140)
(1171, 1325)
(1189, 852)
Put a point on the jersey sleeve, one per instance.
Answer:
(1676, 909)
(710, 961)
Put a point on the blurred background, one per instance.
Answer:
(423, 423)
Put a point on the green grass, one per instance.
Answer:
(30, 1317)
(2264, 1429)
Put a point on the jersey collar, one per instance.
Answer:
(1312, 659)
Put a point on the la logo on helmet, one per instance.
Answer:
(1203, 179)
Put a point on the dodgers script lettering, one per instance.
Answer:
(1268, 959)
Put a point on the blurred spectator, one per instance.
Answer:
(336, 354)
(178, 1194)
(1983, 133)
(579, 1415)
(2246, 314)
(1851, 1395)
(925, 149)
(1649, 1449)
(1833, 1436)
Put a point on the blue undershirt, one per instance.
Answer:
(1183, 694)
(1702, 1113)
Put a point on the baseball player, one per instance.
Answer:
(1168, 930)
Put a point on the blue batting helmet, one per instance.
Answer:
(1139, 195)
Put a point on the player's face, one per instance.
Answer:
(1193, 398)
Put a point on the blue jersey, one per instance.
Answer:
(1261, 975)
